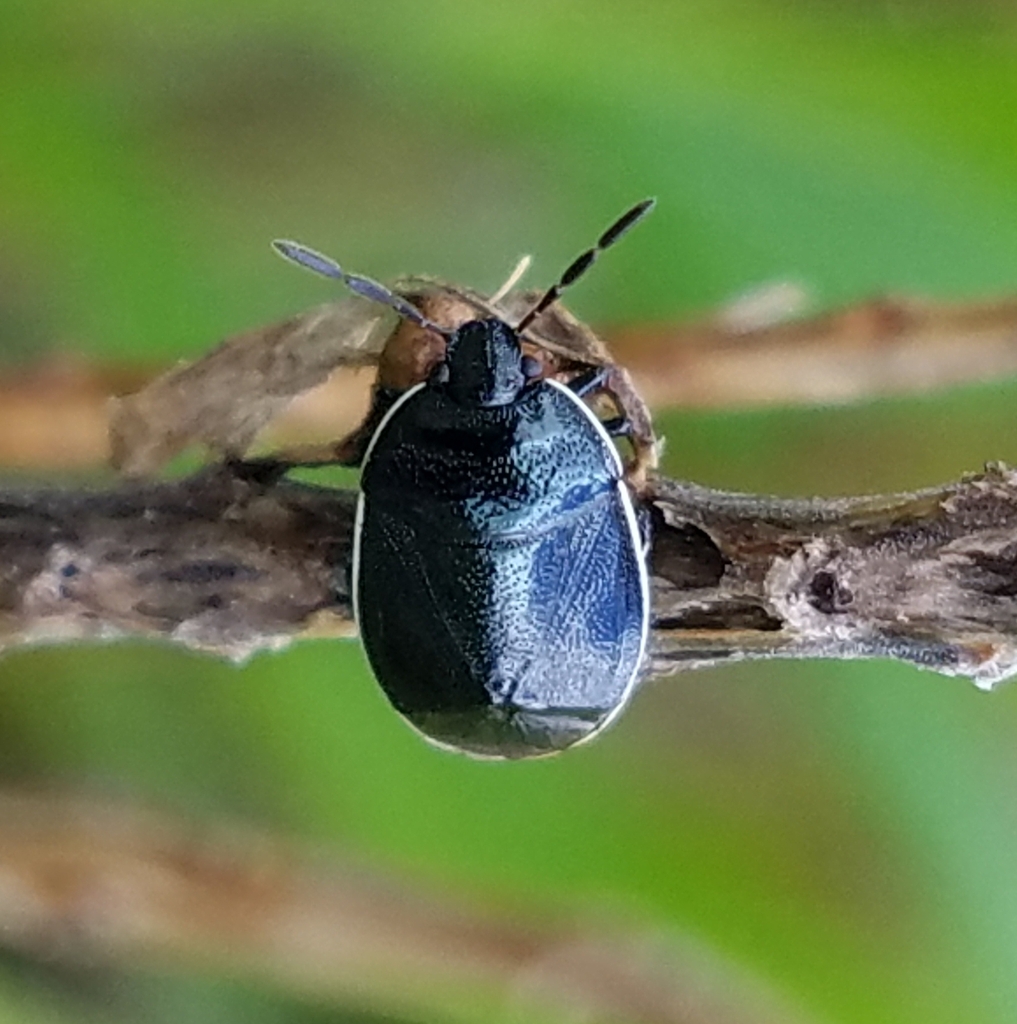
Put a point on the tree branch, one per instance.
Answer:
(885, 346)
(98, 883)
(55, 414)
(233, 560)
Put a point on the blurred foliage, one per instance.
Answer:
(844, 831)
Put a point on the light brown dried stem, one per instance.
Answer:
(233, 560)
(55, 415)
(887, 346)
(115, 886)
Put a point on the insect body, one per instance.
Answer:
(498, 576)
(499, 581)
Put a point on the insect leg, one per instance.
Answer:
(618, 426)
(645, 445)
(634, 421)
(590, 381)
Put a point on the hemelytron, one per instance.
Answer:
(499, 580)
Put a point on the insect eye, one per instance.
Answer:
(531, 367)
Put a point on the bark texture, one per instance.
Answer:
(236, 559)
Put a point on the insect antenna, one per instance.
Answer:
(582, 263)
(365, 286)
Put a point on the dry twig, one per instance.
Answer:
(82, 881)
(888, 346)
(55, 416)
(233, 560)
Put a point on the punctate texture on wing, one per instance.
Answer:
(499, 588)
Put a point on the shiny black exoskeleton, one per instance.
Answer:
(499, 582)
(498, 577)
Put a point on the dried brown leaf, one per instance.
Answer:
(225, 398)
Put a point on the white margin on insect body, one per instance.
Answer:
(358, 519)
(637, 544)
(634, 532)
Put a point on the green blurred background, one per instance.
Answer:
(845, 832)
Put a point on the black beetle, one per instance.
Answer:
(499, 579)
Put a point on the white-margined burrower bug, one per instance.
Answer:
(499, 578)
